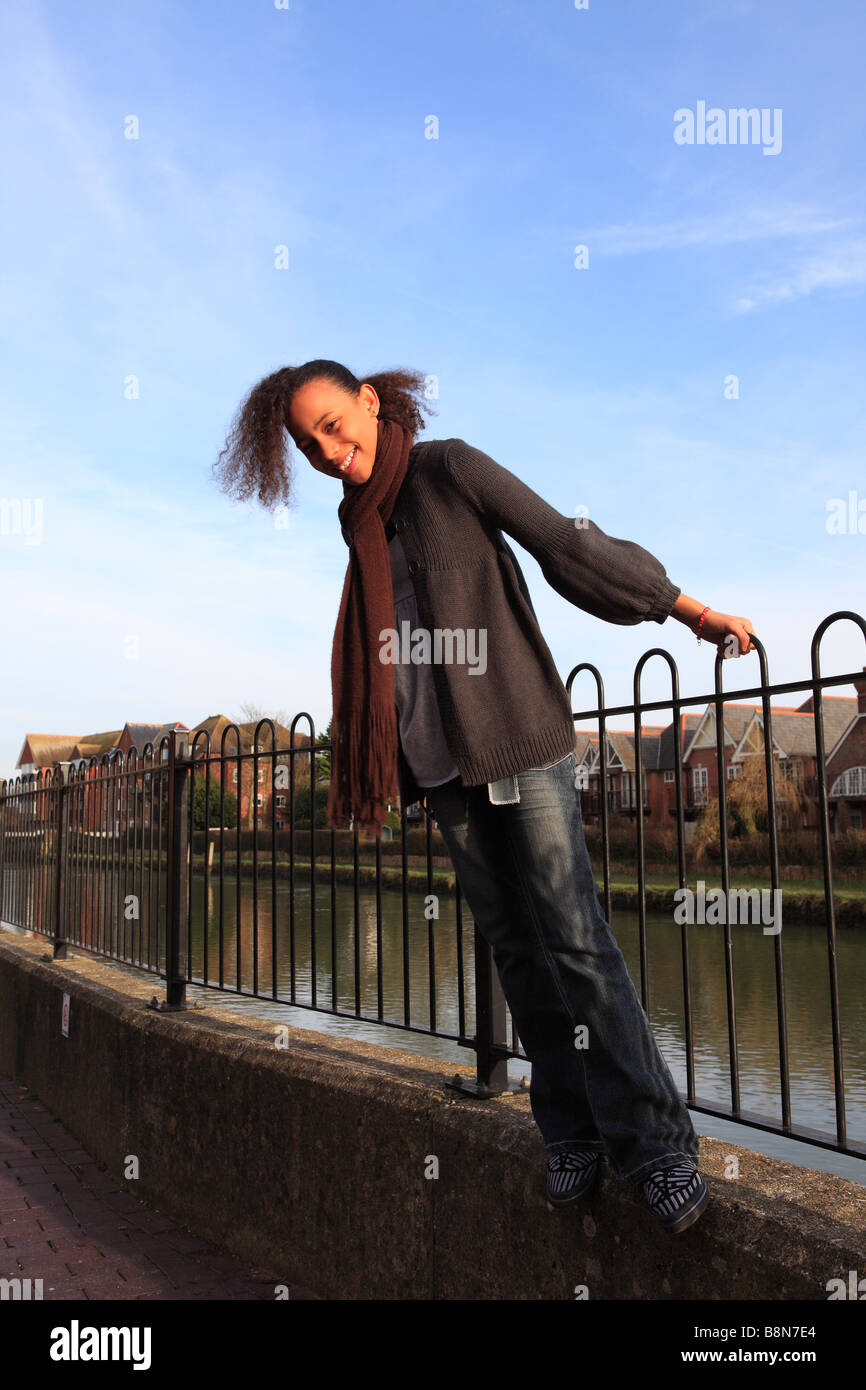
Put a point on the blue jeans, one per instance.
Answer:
(599, 1080)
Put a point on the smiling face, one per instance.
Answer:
(330, 426)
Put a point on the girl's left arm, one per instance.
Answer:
(616, 580)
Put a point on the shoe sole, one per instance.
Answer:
(686, 1218)
(555, 1204)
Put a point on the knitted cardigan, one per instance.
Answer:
(450, 513)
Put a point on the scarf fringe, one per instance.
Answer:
(364, 776)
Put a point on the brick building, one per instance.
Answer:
(794, 755)
(137, 744)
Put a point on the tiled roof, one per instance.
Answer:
(793, 732)
(688, 724)
(141, 734)
(793, 729)
(622, 741)
(216, 724)
(48, 749)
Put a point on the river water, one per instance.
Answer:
(806, 979)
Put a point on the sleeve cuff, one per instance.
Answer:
(664, 601)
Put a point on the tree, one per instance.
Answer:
(747, 802)
(251, 714)
(323, 759)
(230, 803)
(302, 807)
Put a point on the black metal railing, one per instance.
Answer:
(106, 857)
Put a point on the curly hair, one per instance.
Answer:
(254, 461)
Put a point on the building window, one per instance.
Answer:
(851, 783)
(856, 820)
(699, 786)
(669, 776)
(259, 799)
(281, 801)
(235, 776)
(734, 770)
(261, 775)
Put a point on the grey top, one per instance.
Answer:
(420, 723)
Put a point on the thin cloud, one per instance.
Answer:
(842, 268)
(629, 239)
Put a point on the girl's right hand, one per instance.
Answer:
(719, 627)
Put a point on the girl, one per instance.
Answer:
(489, 743)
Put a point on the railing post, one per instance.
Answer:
(491, 1067)
(62, 782)
(491, 1070)
(177, 878)
(4, 816)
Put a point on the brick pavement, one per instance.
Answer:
(65, 1221)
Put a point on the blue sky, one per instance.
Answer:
(148, 594)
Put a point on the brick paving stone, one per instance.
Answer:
(128, 1292)
(146, 1246)
(26, 1249)
(189, 1245)
(152, 1222)
(83, 1208)
(98, 1231)
(66, 1221)
(123, 1202)
(61, 1245)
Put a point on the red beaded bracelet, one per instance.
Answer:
(701, 623)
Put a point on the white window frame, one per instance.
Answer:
(700, 786)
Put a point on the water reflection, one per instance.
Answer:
(806, 987)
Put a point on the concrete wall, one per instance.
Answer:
(312, 1159)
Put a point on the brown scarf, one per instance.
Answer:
(364, 727)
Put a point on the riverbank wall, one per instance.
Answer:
(355, 1170)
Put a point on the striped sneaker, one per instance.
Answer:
(676, 1195)
(571, 1174)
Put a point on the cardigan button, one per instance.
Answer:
(399, 524)
(413, 567)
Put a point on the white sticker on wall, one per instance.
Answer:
(64, 1021)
